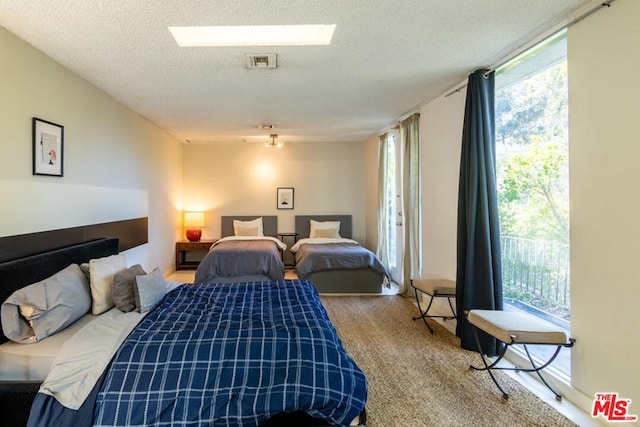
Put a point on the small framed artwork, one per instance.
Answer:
(285, 197)
(48, 144)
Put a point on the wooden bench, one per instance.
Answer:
(515, 327)
(435, 288)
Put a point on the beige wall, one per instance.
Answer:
(604, 59)
(371, 191)
(242, 178)
(117, 165)
(441, 135)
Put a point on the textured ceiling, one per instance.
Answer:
(387, 57)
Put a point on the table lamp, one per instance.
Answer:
(192, 222)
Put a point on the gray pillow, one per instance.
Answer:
(149, 290)
(124, 283)
(41, 309)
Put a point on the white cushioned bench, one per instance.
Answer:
(515, 327)
(435, 288)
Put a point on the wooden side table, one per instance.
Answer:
(184, 247)
(287, 257)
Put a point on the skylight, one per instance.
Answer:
(253, 35)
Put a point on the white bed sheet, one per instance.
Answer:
(32, 362)
(85, 356)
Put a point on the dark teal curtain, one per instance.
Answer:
(479, 266)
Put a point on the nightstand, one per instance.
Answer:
(189, 254)
(288, 258)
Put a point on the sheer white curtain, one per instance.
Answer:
(382, 250)
(412, 212)
(410, 263)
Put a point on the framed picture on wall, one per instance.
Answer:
(48, 143)
(285, 198)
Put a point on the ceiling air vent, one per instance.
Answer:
(261, 60)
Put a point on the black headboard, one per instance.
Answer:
(21, 272)
(269, 224)
(302, 224)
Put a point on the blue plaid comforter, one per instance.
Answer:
(232, 355)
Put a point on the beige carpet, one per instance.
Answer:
(419, 379)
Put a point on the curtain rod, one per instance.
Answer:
(529, 45)
(396, 125)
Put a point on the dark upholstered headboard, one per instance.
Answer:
(302, 224)
(269, 224)
(21, 272)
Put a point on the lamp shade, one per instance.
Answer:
(194, 219)
(192, 222)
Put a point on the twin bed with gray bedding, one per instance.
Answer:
(246, 257)
(336, 264)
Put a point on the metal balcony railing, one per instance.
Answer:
(535, 276)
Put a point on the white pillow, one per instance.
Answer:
(323, 225)
(246, 231)
(149, 290)
(327, 232)
(101, 272)
(255, 223)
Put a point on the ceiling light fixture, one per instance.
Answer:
(253, 35)
(272, 142)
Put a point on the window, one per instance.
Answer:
(532, 160)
